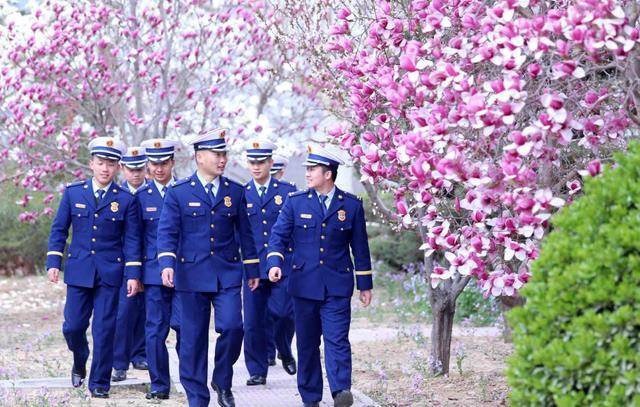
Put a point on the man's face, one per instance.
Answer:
(104, 171)
(211, 163)
(134, 176)
(316, 178)
(161, 171)
(260, 169)
(278, 175)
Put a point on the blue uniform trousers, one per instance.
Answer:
(330, 318)
(81, 301)
(194, 338)
(269, 300)
(280, 323)
(163, 311)
(128, 344)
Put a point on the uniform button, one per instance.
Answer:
(211, 239)
(264, 233)
(321, 249)
(322, 237)
(264, 211)
(324, 225)
(144, 257)
(95, 227)
(321, 262)
(213, 212)
(264, 221)
(305, 226)
(93, 252)
(265, 245)
(182, 259)
(150, 218)
(93, 239)
(95, 215)
(113, 219)
(119, 259)
(211, 252)
(212, 226)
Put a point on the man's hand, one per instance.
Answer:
(53, 274)
(253, 283)
(167, 277)
(133, 287)
(275, 274)
(365, 298)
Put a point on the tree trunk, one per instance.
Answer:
(443, 310)
(506, 304)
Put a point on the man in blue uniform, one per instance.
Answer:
(323, 222)
(162, 307)
(128, 343)
(105, 245)
(265, 198)
(286, 329)
(198, 253)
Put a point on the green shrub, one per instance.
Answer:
(23, 246)
(577, 339)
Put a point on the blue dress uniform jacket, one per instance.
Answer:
(151, 203)
(263, 213)
(106, 236)
(322, 263)
(199, 237)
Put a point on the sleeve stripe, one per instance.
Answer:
(275, 254)
(55, 254)
(165, 254)
(364, 273)
(251, 261)
(133, 263)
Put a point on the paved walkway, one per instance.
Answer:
(280, 391)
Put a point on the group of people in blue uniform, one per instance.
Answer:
(155, 254)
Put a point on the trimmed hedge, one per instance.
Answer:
(577, 339)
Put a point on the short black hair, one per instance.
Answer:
(332, 168)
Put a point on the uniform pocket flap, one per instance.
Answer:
(81, 212)
(194, 211)
(187, 258)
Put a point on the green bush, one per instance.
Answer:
(394, 249)
(577, 339)
(23, 246)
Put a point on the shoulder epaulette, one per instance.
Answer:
(352, 196)
(283, 182)
(301, 192)
(123, 189)
(180, 182)
(232, 182)
(75, 183)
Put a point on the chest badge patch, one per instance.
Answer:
(227, 201)
(277, 199)
(114, 206)
(152, 209)
(342, 215)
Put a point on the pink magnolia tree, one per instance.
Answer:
(74, 70)
(481, 118)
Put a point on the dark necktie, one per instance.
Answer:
(100, 196)
(212, 195)
(164, 190)
(263, 191)
(323, 204)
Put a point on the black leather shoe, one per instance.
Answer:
(225, 397)
(256, 380)
(311, 404)
(289, 366)
(100, 393)
(271, 362)
(118, 375)
(157, 395)
(77, 376)
(343, 398)
(141, 365)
